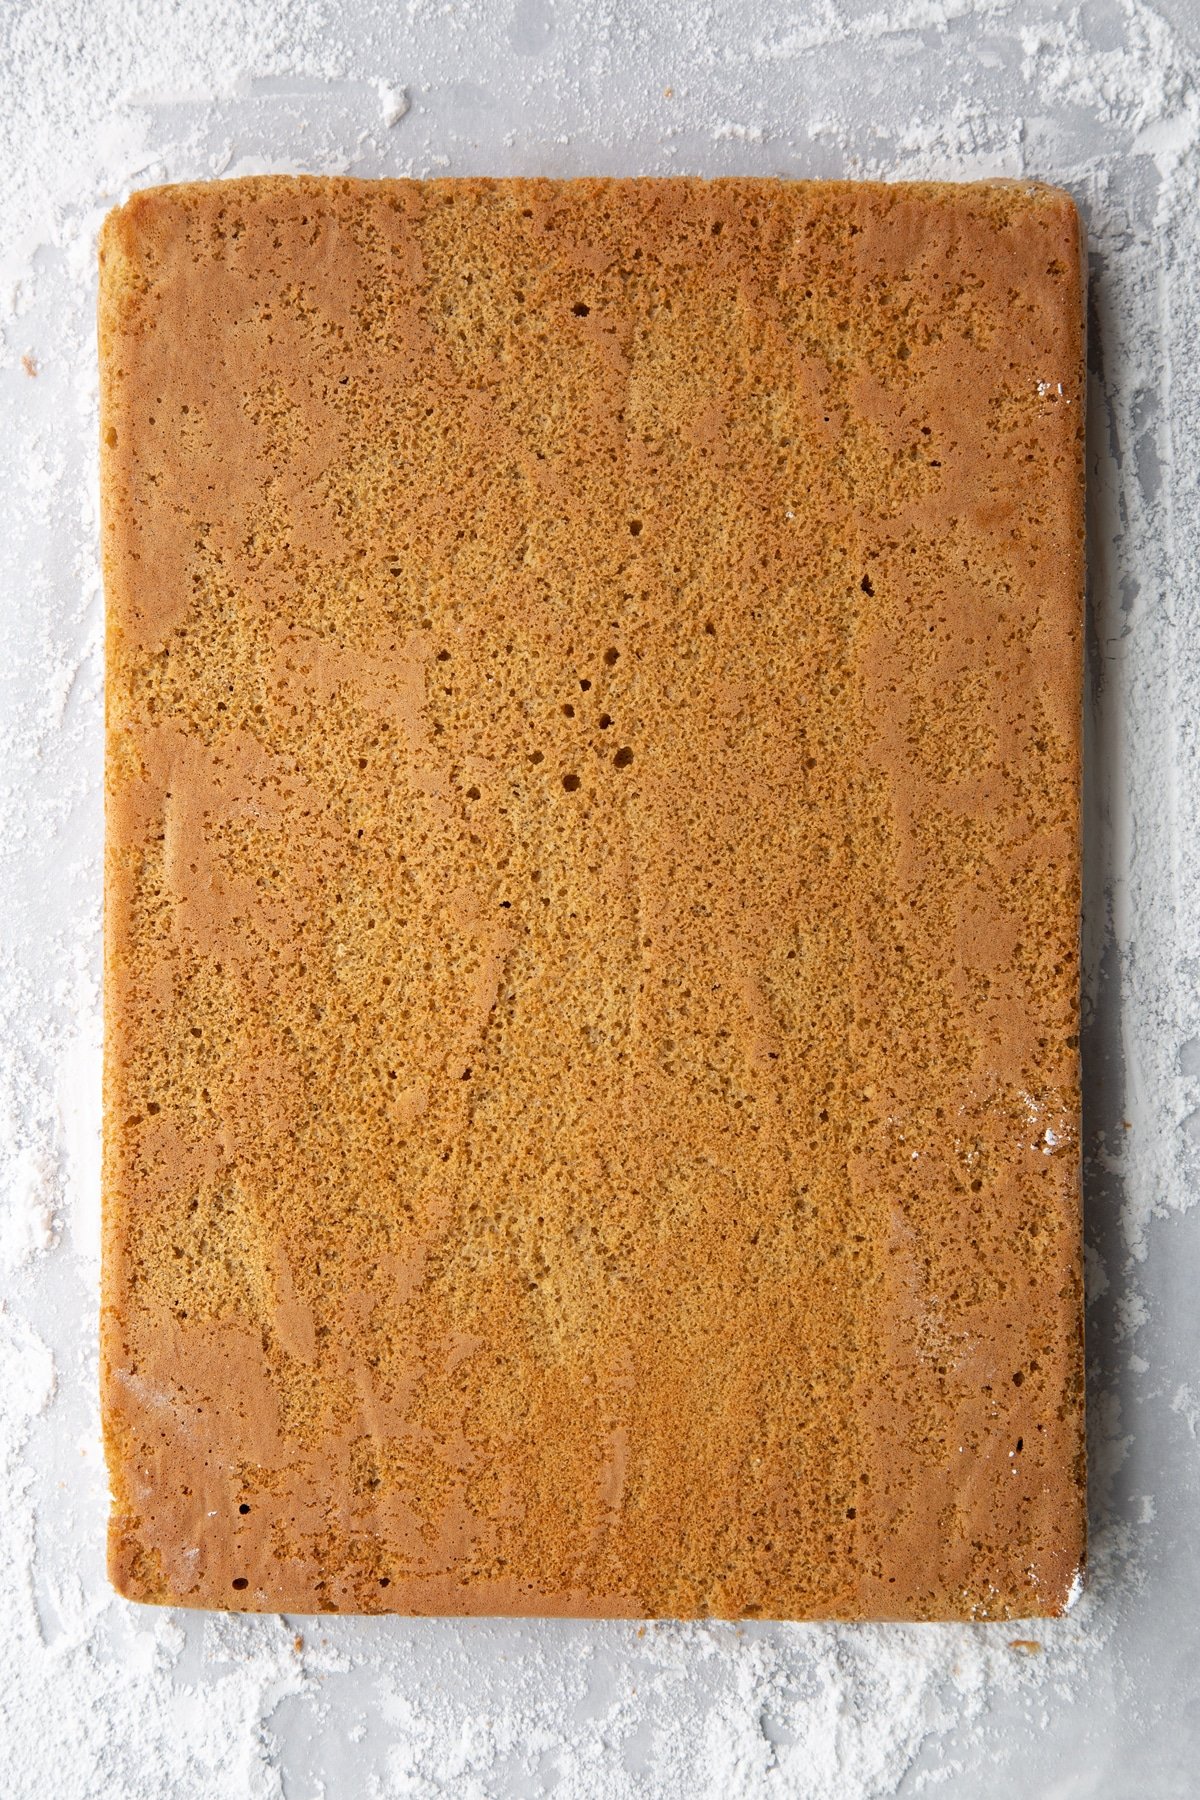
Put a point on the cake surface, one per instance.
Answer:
(592, 881)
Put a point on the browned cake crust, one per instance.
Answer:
(591, 1086)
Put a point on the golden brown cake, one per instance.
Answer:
(591, 1086)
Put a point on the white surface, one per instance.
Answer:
(98, 1698)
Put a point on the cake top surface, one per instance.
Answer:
(592, 882)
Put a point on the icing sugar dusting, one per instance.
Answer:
(102, 1699)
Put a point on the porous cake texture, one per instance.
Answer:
(591, 1084)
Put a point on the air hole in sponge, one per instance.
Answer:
(865, 585)
(571, 783)
(610, 657)
(605, 721)
(243, 1508)
(240, 1582)
(1018, 1378)
(623, 758)
(385, 1581)
(635, 528)
(581, 309)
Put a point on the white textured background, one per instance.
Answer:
(98, 1698)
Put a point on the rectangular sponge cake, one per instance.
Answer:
(592, 884)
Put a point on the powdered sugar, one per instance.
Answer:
(393, 103)
(104, 1700)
